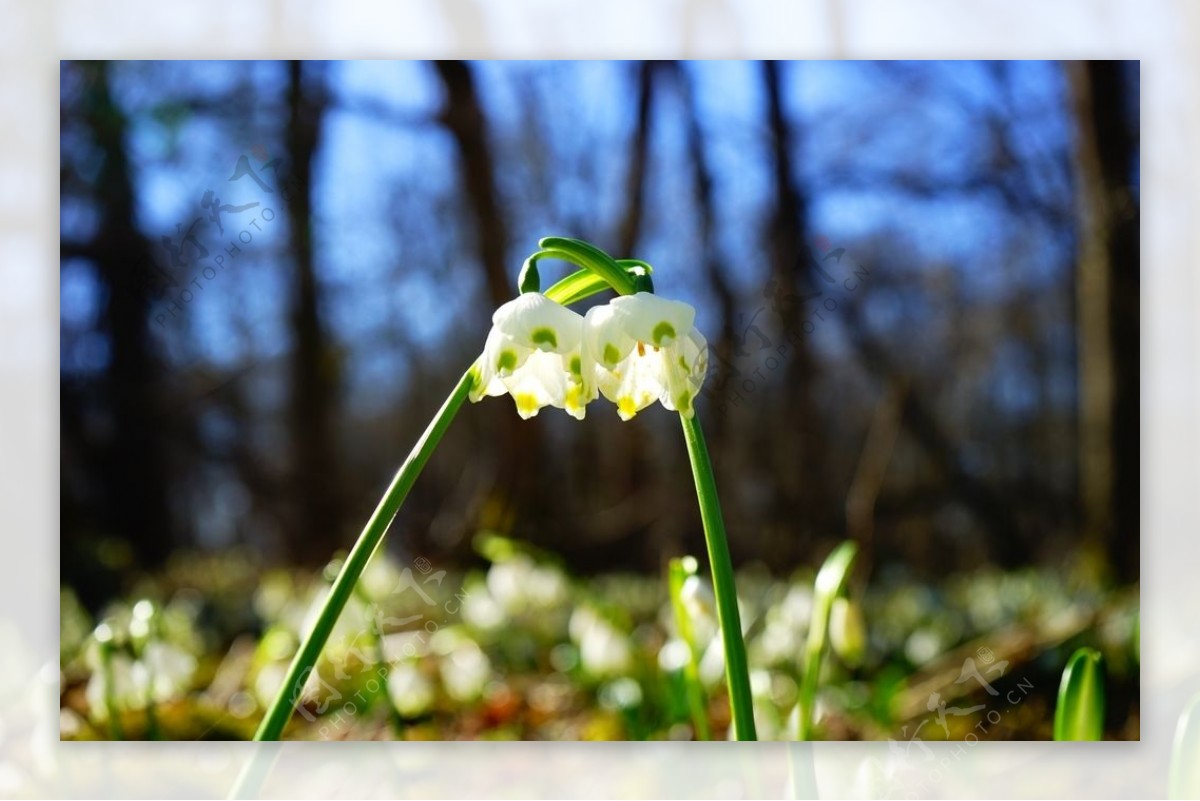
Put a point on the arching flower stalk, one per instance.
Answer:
(636, 350)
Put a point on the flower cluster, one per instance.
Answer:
(634, 351)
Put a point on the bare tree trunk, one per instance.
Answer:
(635, 181)
(993, 511)
(520, 444)
(630, 441)
(800, 458)
(722, 365)
(135, 470)
(314, 364)
(871, 471)
(465, 120)
(1107, 299)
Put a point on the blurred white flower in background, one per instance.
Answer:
(520, 584)
(620, 694)
(163, 671)
(482, 611)
(701, 607)
(785, 629)
(117, 683)
(409, 689)
(673, 656)
(712, 663)
(603, 650)
(380, 578)
(464, 667)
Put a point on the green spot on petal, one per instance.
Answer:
(611, 354)
(663, 330)
(544, 336)
(507, 361)
(576, 365)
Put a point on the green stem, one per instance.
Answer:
(110, 693)
(736, 673)
(306, 658)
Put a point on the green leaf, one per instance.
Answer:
(591, 257)
(679, 571)
(1079, 714)
(600, 271)
(576, 287)
(831, 578)
(834, 572)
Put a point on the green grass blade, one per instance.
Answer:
(831, 578)
(1079, 714)
(680, 571)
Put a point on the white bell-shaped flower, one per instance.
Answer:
(642, 348)
(533, 353)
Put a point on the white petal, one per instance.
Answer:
(501, 356)
(581, 385)
(637, 382)
(541, 381)
(605, 341)
(687, 364)
(654, 320)
(535, 321)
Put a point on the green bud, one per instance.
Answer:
(529, 280)
(847, 631)
(642, 282)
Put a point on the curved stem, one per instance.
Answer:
(736, 672)
(306, 658)
(590, 257)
